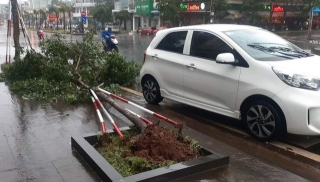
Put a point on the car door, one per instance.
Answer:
(168, 64)
(207, 83)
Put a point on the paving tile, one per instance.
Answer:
(65, 161)
(226, 173)
(44, 172)
(7, 160)
(46, 132)
(57, 148)
(25, 151)
(9, 175)
(3, 139)
(76, 172)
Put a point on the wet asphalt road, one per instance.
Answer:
(35, 137)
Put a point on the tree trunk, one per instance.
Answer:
(135, 120)
(36, 21)
(70, 22)
(64, 21)
(57, 16)
(310, 22)
(16, 31)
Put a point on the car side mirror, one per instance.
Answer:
(226, 58)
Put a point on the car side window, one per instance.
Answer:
(173, 42)
(206, 45)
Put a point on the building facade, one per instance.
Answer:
(144, 13)
(82, 6)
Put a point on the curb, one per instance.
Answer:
(303, 156)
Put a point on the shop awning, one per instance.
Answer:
(277, 14)
(233, 15)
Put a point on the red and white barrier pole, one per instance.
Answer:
(142, 108)
(148, 122)
(103, 126)
(8, 53)
(107, 114)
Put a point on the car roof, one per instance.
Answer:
(215, 27)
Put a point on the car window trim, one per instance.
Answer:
(184, 46)
(242, 62)
(191, 32)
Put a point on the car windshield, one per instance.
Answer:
(263, 45)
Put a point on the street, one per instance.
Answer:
(35, 136)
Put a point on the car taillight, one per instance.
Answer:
(144, 57)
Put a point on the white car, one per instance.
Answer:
(242, 72)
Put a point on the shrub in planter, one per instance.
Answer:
(155, 155)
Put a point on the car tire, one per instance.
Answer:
(151, 90)
(263, 120)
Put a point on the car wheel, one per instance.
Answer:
(263, 120)
(151, 90)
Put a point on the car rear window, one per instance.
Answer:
(173, 42)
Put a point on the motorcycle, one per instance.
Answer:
(41, 35)
(111, 45)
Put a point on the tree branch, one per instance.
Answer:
(82, 83)
(134, 119)
(76, 68)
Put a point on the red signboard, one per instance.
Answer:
(277, 8)
(83, 13)
(192, 6)
(53, 17)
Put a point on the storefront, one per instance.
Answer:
(195, 13)
(146, 15)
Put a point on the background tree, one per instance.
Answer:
(170, 10)
(220, 8)
(55, 9)
(43, 16)
(16, 30)
(35, 13)
(250, 9)
(27, 16)
(122, 16)
(63, 10)
(56, 2)
(308, 7)
(102, 13)
(69, 12)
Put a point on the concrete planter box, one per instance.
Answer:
(83, 146)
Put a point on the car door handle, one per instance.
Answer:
(191, 66)
(155, 56)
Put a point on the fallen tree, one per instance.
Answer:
(64, 71)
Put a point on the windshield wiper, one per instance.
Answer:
(306, 54)
(270, 51)
(284, 49)
(260, 47)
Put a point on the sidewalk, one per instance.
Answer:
(35, 145)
